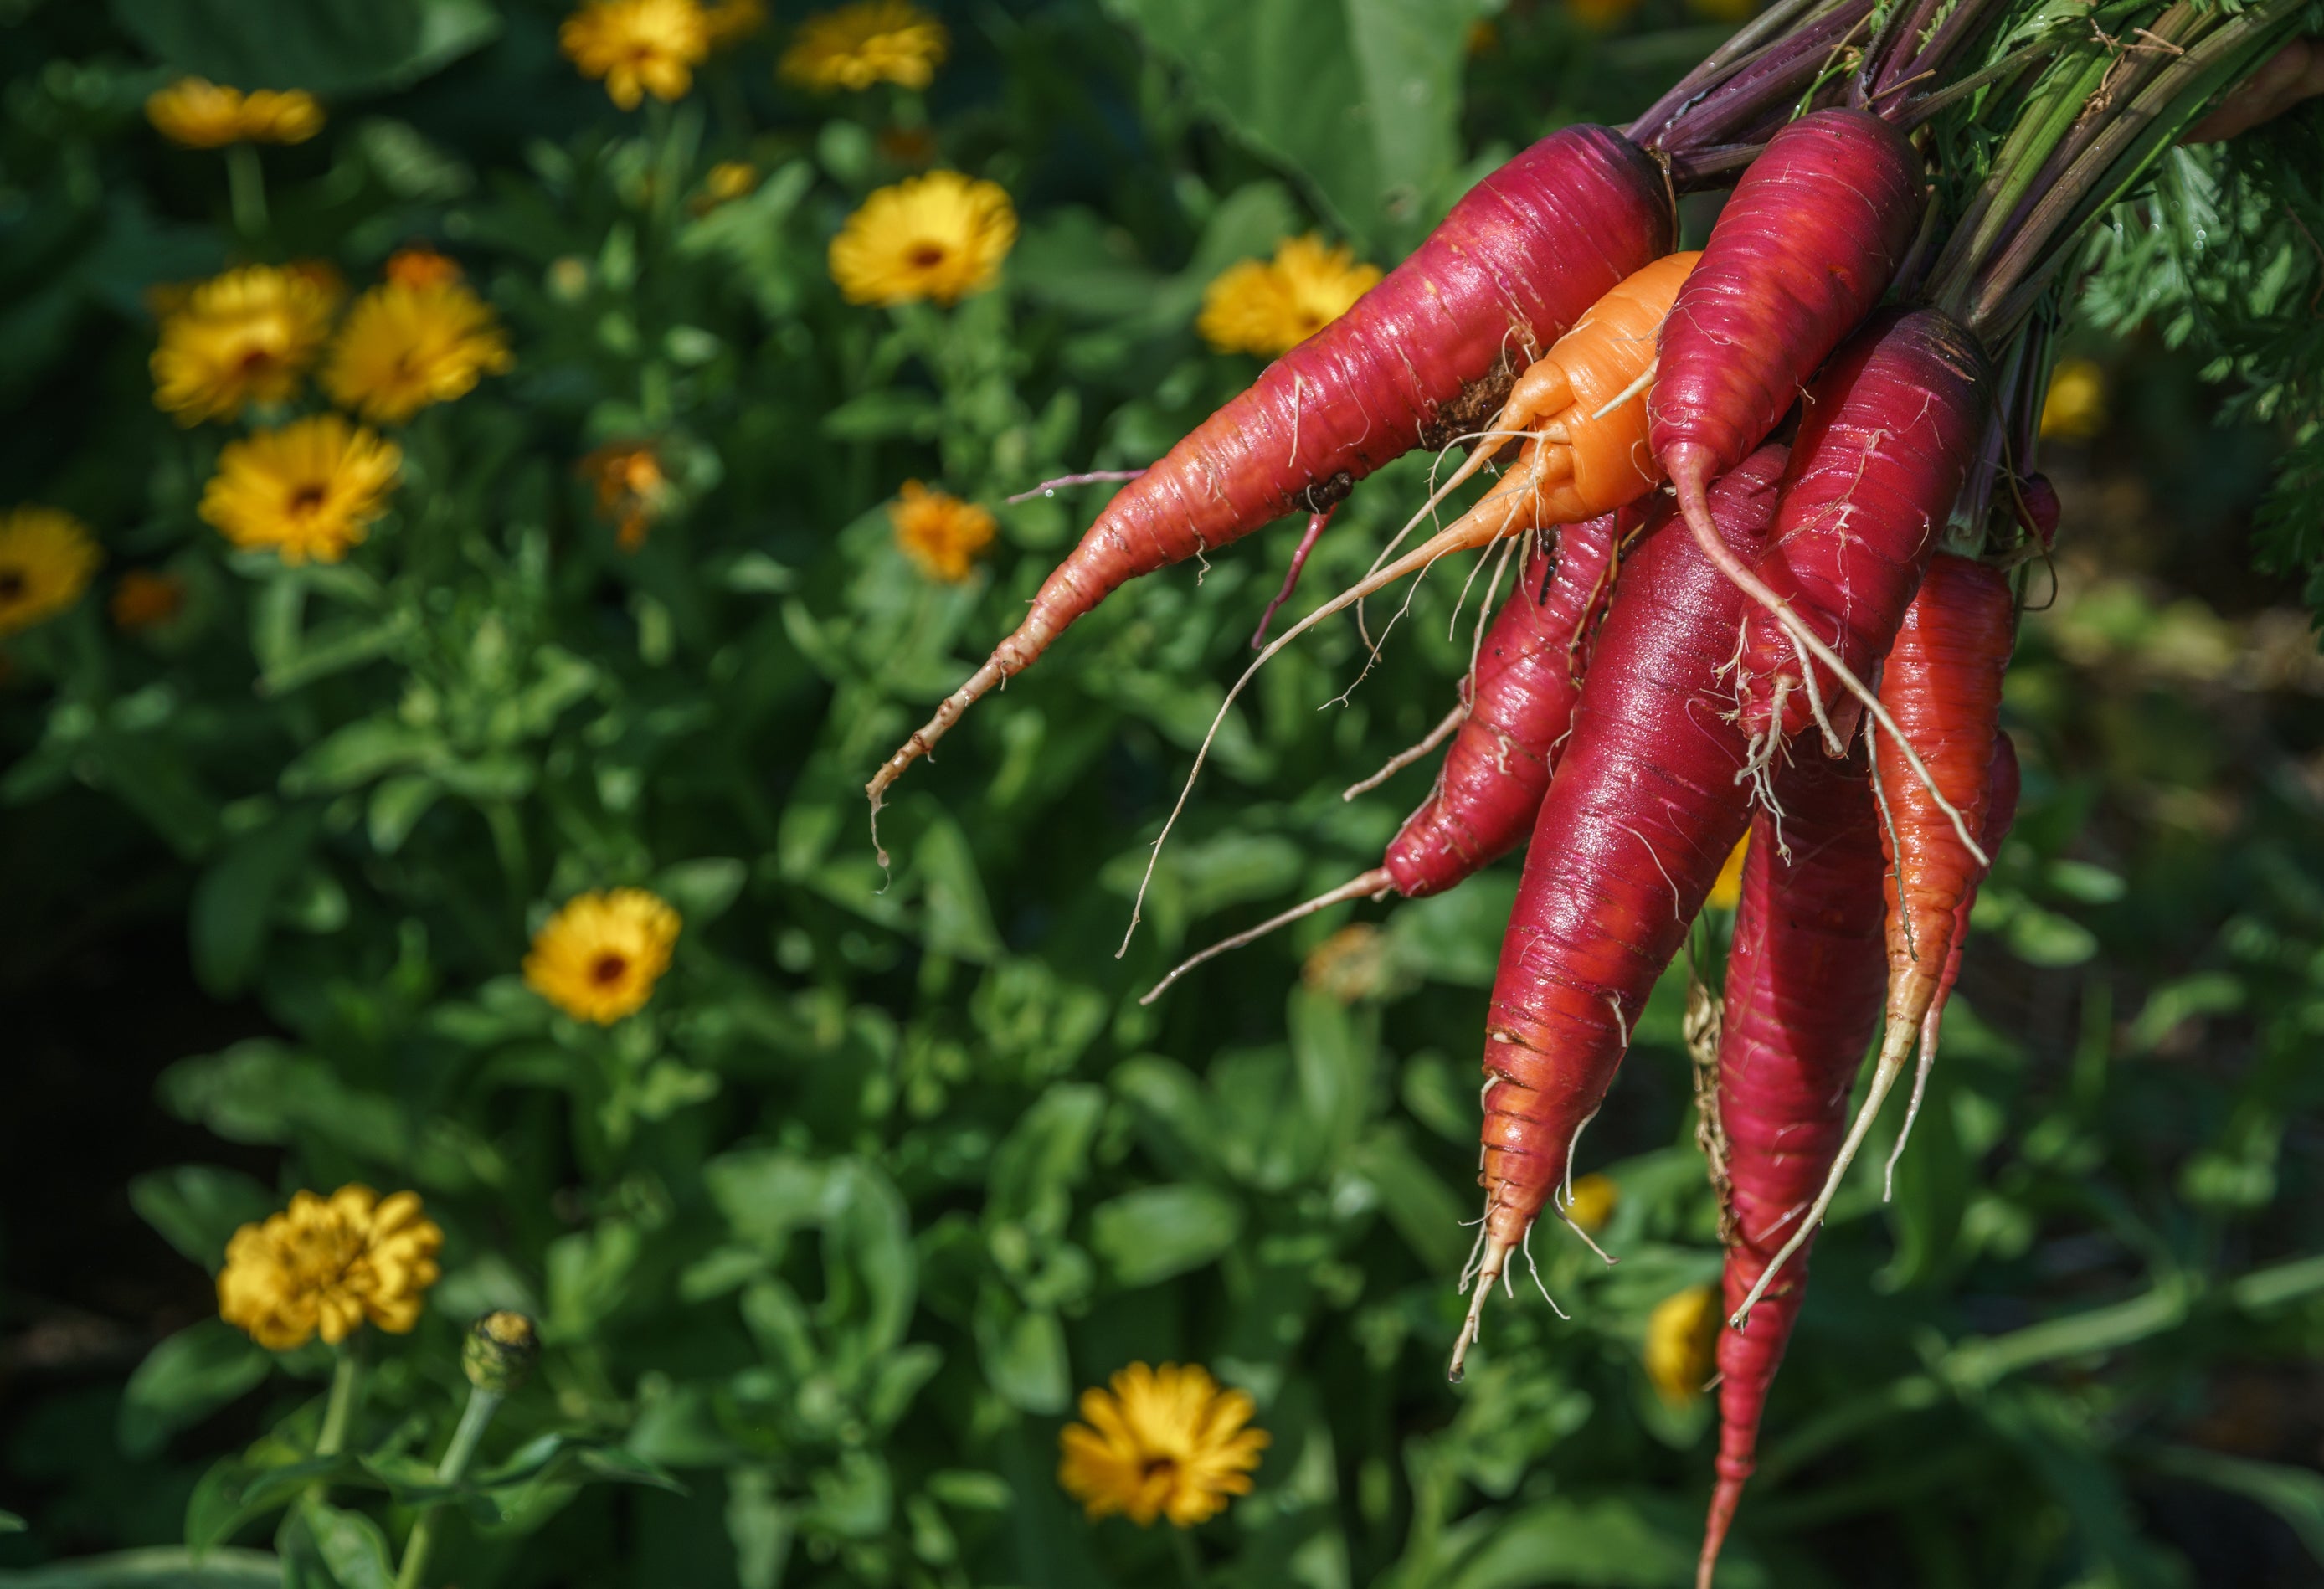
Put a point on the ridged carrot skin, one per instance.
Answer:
(1527, 677)
(2000, 814)
(1586, 402)
(1890, 429)
(1640, 817)
(1521, 257)
(1804, 992)
(1803, 249)
(1942, 686)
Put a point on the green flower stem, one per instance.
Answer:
(339, 1411)
(474, 1418)
(1190, 1565)
(245, 183)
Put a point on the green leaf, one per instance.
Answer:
(1155, 1233)
(1045, 1156)
(350, 1547)
(1362, 97)
(185, 1379)
(235, 1492)
(876, 416)
(196, 1207)
(397, 805)
(1610, 1543)
(234, 903)
(1022, 1351)
(702, 889)
(167, 1567)
(359, 753)
(262, 1091)
(326, 46)
(1415, 1199)
(10, 1523)
(2295, 1494)
(959, 922)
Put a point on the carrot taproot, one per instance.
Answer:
(1516, 707)
(1804, 979)
(1589, 456)
(1518, 260)
(1640, 816)
(1942, 684)
(1801, 251)
(1890, 426)
(2000, 812)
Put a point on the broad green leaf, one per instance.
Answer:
(359, 753)
(326, 46)
(1045, 1156)
(185, 1379)
(1415, 1199)
(234, 1492)
(1154, 1232)
(702, 889)
(1022, 1351)
(196, 1207)
(234, 903)
(959, 921)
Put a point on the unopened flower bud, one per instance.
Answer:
(500, 1350)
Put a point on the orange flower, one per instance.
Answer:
(421, 266)
(142, 599)
(633, 490)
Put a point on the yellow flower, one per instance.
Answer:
(870, 42)
(939, 531)
(2075, 407)
(633, 490)
(724, 183)
(1162, 1443)
(421, 266)
(940, 236)
(1593, 1202)
(239, 339)
(1727, 889)
(1266, 307)
(142, 599)
(326, 1265)
(638, 47)
(47, 558)
(1682, 1342)
(203, 115)
(730, 22)
(310, 489)
(599, 957)
(404, 348)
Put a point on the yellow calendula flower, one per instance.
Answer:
(2074, 409)
(632, 488)
(724, 183)
(421, 266)
(941, 237)
(201, 114)
(730, 22)
(1727, 888)
(638, 47)
(1682, 1342)
(1267, 306)
(1162, 1443)
(325, 1265)
(939, 531)
(239, 339)
(1593, 1201)
(309, 490)
(870, 42)
(142, 599)
(599, 957)
(47, 558)
(404, 348)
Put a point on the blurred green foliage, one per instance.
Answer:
(825, 1241)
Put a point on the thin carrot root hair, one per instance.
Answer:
(1466, 532)
(1927, 1062)
(1397, 763)
(1490, 1265)
(1370, 884)
(1696, 508)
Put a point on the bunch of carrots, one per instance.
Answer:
(1768, 503)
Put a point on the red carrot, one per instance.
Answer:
(1943, 686)
(2001, 812)
(1640, 816)
(1803, 249)
(1889, 429)
(1804, 992)
(1516, 261)
(1519, 705)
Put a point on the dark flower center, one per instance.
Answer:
(12, 584)
(924, 256)
(607, 969)
(1158, 1467)
(306, 498)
